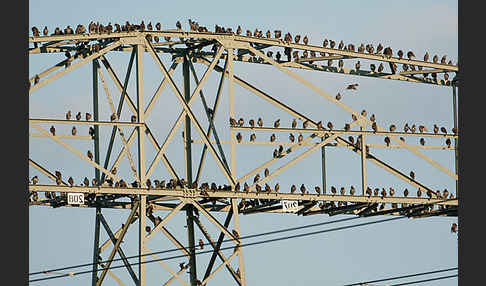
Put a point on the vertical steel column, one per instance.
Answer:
(96, 247)
(363, 163)
(454, 106)
(97, 172)
(232, 109)
(95, 116)
(188, 156)
(141, 165)
(323, 159)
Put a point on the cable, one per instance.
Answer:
(231, 247)
(227, 240)
(425, 280)
(404, 276)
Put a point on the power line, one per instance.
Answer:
(425, 280)
(400, 277)
(227, 240)
(224, 248)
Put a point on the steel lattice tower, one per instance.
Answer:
(187, 192)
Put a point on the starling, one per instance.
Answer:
(412, 175)
(292, 189)
(258, 188)
(448, 142)
(277, 187)
(352, 191)
(266, 172)
(239, 137)
(260, 122)
(275, 153)
(338, 96)
(291, 137)
(256, 178)
(351, 139)
(372, 67)
(252, 123)
(352, 86)
(342, 191)
(86, 181)
(422, 128)
(392, 192)
(435, 59)
(278, 56)
(305, 124)
(300, 138)
(280, 149)
(446, 76)
(357, 65)
(71, 181)
(426, 57)
(443, 60)
(454, 228)
(436, 129)
(302, 189)
(353, 116)
(318, 190)
(410, 55)
(341, 45)
(133, 118)
(372, 117)
(392, 128)
(443, 130)
(422, 141)
(341, 63)
(252, 137)
(178, 25)
(380, 67)
(78, 116)
(445, 194)
(45, 32)
(306, 40)
(387, 141)
(383, 193)
(272, 138)
(329, 125)
(405, 193)
(319, 125)
(158, 26)
(347, 127)
(413, 128)
(276, 124)
(241, 122)
(68, 115)
(201, 243)
(90, 155)
(374, 126)
(53, 130)
(363, 113)
(368, 191)
(232, 122)
(376, 191)
(294, 123)
(333, 190)
(406, 128)
(400, 54)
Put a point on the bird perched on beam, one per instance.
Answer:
(272, 138)
(53, 130)
(90, 155)
(291, 137)
(232, 122)
(352, 86)
(252, 123)
(329, 125)
(292, 189)
(333, 190)
(260, 122)
(352, 191)
(410, 55)
(412, 175)
(276, 124)
(300, 138)
(241, 122)
(422, 141)
(318, 190)
(201, 243)
(448, 142)
(302, 189)
(239, 137)
(387, 141)
(252, 137)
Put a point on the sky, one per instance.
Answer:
(64, 236)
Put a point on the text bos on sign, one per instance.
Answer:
(75, 198)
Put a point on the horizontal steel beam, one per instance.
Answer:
(196, 193)
(85, 122)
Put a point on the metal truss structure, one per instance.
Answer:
(187, 192)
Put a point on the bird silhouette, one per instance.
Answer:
(342, 191)
(90, 155)
(300, 138)
(352, 86)
(252, 137)
(352, 191)
(443, 130)
(239, 137)
(318, 190)
(260, 122)
(338, 96)
(387, 141)
(368, 191)
(88, 116)
(272, 138)
(357, 65)
(333, 190)
(302, 189)
(435, 59)
(422, 141)
(374, 126)
(292, 189)
(53, 130)
(276, 124)
(329, 125)
(291, 137)
(448, 142)
(412, 175)
(410, 55)
(347, 127)
(241, 122)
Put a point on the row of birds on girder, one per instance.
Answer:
(206, 187)
(330, 126)
(195, 27)
(88, 116)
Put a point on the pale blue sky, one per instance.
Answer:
(64, 236)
